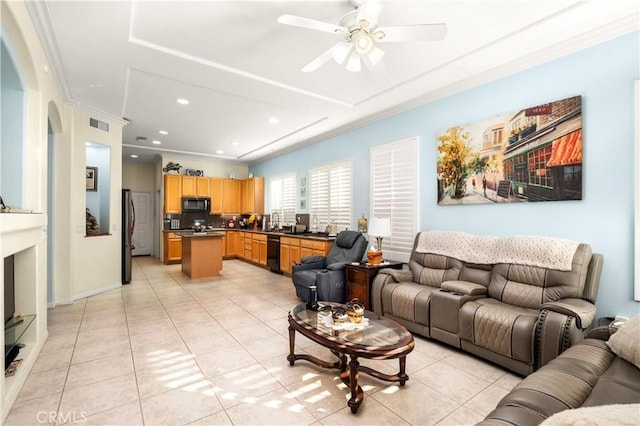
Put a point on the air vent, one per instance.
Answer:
(141, 139)
(99, 124)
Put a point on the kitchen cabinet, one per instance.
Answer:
(195, 186)
(202, 255)
(233, 243)
(203, 186)
(188, 186)
(247, 243)
(215, 193)
(172, 248)
(252, 196)
(259, 249)
(231, 193)
(289, 253)
(310, 247)
(172, 193)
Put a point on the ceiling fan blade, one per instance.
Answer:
(422, 32)
(369, 11)
(319, 61)
(312, 24)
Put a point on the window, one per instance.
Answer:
(394, 177)
(330, 194)
(539, 173)
(283, 197)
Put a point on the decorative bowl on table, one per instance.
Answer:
(339, 315)
(355, 311)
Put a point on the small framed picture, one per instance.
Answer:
(92, 179)
(303, 192)
(303, 181)
(303, 204)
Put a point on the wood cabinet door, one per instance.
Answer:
(188, 186)
(246, 206)
(285, 262)
(215, 193)
(258, 195)
(232, 243)
(262, 259)
(174, 249)
(172, 193)
(203, 187)
(255, 251)
(231, 196)
(294, 255)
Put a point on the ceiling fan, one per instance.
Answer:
(361, 34)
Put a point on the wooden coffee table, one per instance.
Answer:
(381, 339)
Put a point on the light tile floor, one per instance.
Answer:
(168, 350)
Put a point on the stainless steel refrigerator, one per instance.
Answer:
(128, 224)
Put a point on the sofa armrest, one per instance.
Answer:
(396, 275)
(336, 266)
(465, 288)
(310, 262)
(386, 276)
(584, 312)
(601, 333)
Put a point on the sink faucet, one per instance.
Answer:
(275, 219)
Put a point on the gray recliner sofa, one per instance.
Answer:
(491, 297)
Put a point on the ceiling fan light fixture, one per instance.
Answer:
(375, 56)
(354, 64)
(363, 42)
(341, 51)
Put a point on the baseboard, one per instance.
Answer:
(96, 291)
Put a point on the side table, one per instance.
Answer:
(360, 278)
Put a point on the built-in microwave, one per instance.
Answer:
(195, 205)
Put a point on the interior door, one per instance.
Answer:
(142, 232)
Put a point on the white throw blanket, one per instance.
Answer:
(542, 252)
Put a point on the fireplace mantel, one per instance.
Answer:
(19, 231)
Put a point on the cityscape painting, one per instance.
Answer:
(534, 154)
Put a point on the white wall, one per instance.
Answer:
(83, 265)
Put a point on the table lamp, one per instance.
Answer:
(379, 227)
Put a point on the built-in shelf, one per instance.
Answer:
(14, 329)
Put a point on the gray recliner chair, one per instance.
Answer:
(327, 273)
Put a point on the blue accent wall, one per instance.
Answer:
(604, 76)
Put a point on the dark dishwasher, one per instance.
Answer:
(273, 253)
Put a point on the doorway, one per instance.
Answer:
(142, 232)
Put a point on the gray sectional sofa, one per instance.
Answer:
(516, 301)
(589, 383)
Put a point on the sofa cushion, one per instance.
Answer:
(530, 286)
(626, 341)
(407, 300)
(433, 269)
(499, 327)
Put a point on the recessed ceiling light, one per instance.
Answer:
(156, 142)
(274, 120)
(235, 143)
(163, 132)
(219, 151)
(182, 101)
(134, 156)
(88, 144)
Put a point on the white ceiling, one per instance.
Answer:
(238, 67)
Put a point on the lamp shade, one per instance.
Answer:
(380, 227)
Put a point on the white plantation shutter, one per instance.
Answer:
(283, 197)
(330, 194)
(394, 194)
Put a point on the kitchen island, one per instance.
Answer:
(202, 254)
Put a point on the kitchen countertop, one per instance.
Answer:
(307, 235)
